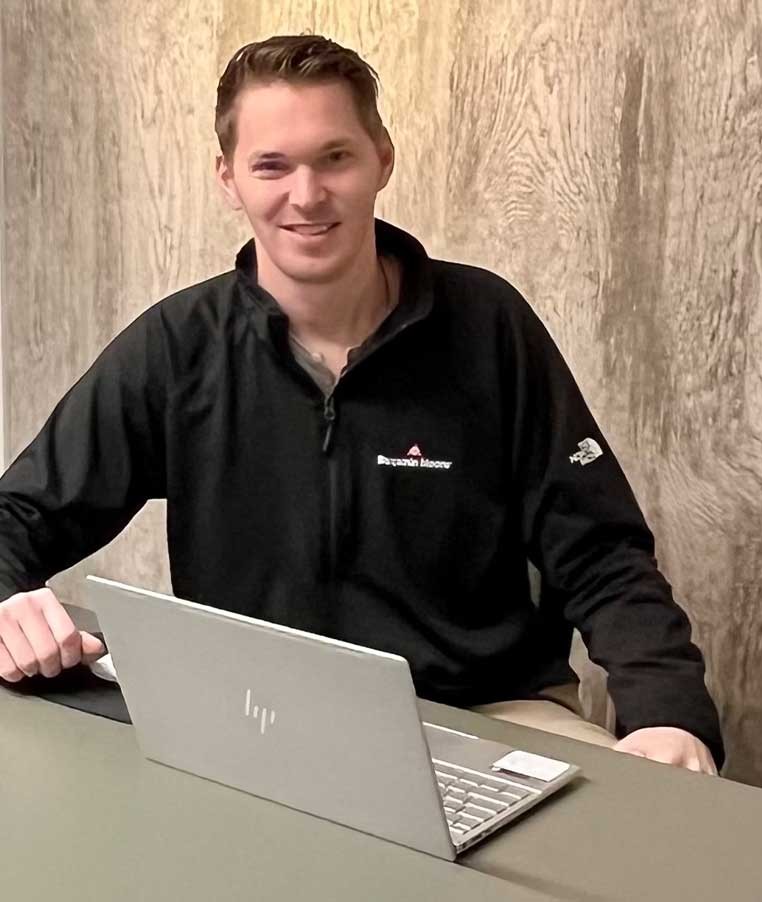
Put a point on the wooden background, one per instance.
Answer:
(604, 155)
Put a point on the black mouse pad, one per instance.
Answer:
(76, 687)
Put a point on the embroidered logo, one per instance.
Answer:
(589, 450)
(414, 458)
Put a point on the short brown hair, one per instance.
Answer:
(298, 59)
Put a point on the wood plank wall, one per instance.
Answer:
(604, 155)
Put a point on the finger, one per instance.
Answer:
(701, 765)
(65, 633)
(708, 766)
(19, 648)
(630, 751)
(35, 627)
(665, 757)
(630, 747)
(8, 669)
(661, 756)
(92, 648)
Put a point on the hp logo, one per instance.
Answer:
(261, 714)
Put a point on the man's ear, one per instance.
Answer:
(224, 178)
(386, 156)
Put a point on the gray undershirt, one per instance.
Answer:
(316, 369)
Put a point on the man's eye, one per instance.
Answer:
(337, 156)
(266, 167)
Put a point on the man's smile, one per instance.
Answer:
(310, 230)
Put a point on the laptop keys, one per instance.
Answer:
(498, 786)
(470, 799)
(493, 805)
(470, 821)
(451, 775)
(475, 813)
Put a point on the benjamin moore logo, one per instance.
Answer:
(589, 450)
(259, 714)
(415, 458)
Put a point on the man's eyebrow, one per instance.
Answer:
(276, 155)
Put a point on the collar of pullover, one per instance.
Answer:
(416, 292)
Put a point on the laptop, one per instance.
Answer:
(320, 725)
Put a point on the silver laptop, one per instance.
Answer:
(320, 725)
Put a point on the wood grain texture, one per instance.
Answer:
(603, 155)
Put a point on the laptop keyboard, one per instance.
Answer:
(471, 798)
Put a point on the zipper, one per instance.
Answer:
(329, 418)
(329, 415)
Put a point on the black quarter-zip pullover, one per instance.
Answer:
(398, 513)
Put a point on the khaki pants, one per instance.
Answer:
(558, 711)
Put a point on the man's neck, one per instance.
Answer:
(336, 315)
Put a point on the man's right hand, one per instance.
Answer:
(38, 636)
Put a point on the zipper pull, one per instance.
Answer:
(329, 415)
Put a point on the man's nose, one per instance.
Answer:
(307, 191)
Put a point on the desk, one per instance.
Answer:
(85, 817)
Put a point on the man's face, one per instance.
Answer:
(304, 159)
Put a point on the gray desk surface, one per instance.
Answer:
(85, 817)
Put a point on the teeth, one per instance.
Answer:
(310, 230)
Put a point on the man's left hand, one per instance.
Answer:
(669, 745)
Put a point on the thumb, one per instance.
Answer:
(92, 648)
(636, 752)
(629, 747)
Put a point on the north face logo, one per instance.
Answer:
(589, 450)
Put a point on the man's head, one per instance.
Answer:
(302, 142)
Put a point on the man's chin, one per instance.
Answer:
(303, 265)
(312, 272)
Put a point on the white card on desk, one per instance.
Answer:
(104, 668)
(529, 765)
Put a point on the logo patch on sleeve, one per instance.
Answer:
(589, 450)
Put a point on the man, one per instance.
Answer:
(356, 440)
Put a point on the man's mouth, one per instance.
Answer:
(310, 229)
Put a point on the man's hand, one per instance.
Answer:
(38, 636)
(669, 745)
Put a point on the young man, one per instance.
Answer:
(356, 440)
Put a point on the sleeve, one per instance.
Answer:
(95, 462)
(584, 531)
